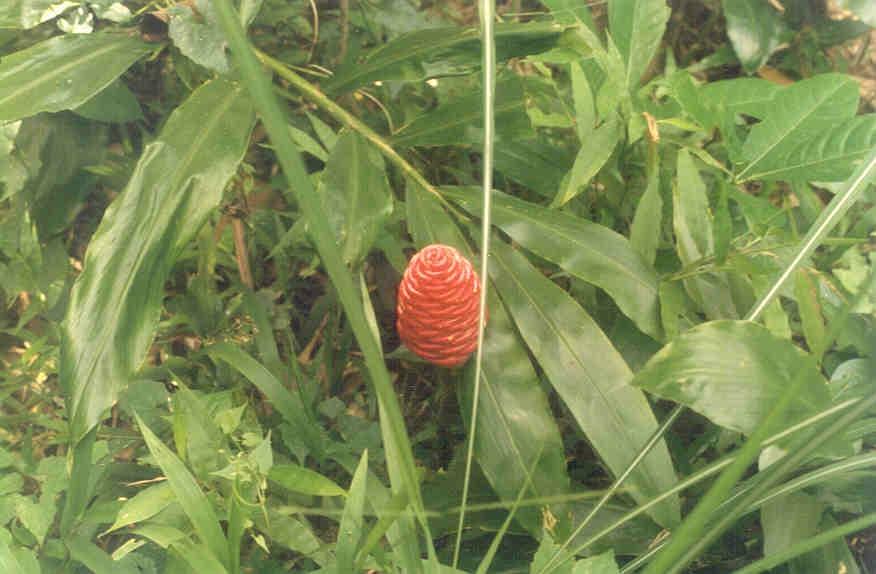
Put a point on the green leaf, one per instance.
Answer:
(95, 559)
(199, 557)
(587, 250)
(637, 26)
(515, 424)
(694, 237)
(809, 308)
(189, 495)
(460, 121)
(749, 96)
(143, 506)
(647, 224)
(755, 29)
(350, 529)
(64, 72)
(196, 33)
(288, 404)
(533, 163)
(114, 104)
(863, 9)
(830, 155)
(602, 564)
(437, 51)
(116, 301)
(798, 113)
(585, 105)
(8, 561)
(300, 479)
(789, 519)
(733, 372)
(592, 155)
(589, 375)
(26, 14)
(356, 195)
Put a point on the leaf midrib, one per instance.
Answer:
(61, 69)
(187, 160)
(782, 138)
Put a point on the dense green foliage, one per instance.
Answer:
(206, 208)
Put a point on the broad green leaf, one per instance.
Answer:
(288, 404)
(95, 559)
(602, 564)
(8, 562)
(306, 143)
(115, 104)
(798, 113)
(196, 33)
(438, 51)
(830, 155)
(636, 26)
(863, 9)
(585, 104)
(592, 155)
(356, 195)
(199, 557)
(789, 519)
(533, 163)
(569, 11)
(350, 529)
(515, 423)
(589, 375)
(295, 534)
(143, 506)
(116, 301)
(694, 237)
(749, 96)
(755, 29)
(189, 495)
(64, 72)
(460, 121)
(809, 308)
(648, 220)
(733, 372)
(300, 479)
(585, 249)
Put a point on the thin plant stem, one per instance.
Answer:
(488, 17)
(312, 93)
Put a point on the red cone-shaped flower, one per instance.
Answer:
(438, 306)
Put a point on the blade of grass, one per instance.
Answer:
(487, 9)
(809, 544)
(400, 457)
(837, 207)
(655, 438)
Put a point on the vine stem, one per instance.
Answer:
(488, 17)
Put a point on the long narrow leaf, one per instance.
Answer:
(116, 301)
(589, 375)
(189, 495)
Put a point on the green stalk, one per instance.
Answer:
(487, 9)
(313, 94)
(809, 544)
(403, 468)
